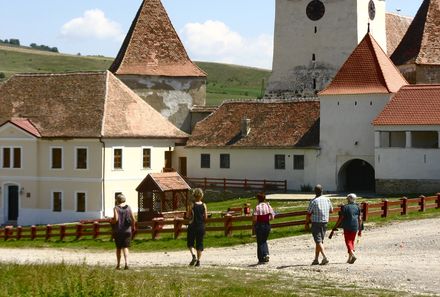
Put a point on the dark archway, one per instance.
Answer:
(357, 176)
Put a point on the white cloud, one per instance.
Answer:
(214, 41)
(93, 24)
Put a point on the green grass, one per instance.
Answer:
(82, 280)
(224, 81)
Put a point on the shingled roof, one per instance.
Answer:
(421, 43)
(412, 105)
(396, 26)
(272, 124)
(25, 125)
(165, 181)
(87, 104)
(368, 70)
(152, 46)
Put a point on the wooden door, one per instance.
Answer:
(182, 166)
(12, 203)
(168, 159)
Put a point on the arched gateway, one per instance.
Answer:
(356, 176)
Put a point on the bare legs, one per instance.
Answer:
(195, 260)
(319, 249)
(119, 251)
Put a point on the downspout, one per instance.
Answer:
(103, 177)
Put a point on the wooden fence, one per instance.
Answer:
(245, 184)
(227, 224)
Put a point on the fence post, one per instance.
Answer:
(79, 229)
(245, 184)
(178, 222)
(95, 230)
(48, 232)
(62, 232)
(8, 232)
(224, 184)
(228, 225)
(157, 226)
(19, 232)
(264, 185)
(385, 209)
(404, 206)
(285, 186)
(364, 211)
(205, 184)
(33, 232)
(422, 203)
(438, 200)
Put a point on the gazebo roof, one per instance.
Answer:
(163, 182)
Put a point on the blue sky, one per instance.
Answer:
(230, 31)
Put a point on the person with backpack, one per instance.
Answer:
(196, 228)
(351, 220)
(123, 225)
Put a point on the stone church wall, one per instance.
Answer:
(397, 186)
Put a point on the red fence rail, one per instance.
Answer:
(227, 224)
(245, 184)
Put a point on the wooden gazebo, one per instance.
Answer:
(161, 193)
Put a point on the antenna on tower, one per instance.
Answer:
(368, 31)
(398, 10)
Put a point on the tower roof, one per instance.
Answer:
(421, 43)
(367, 70)
(152, 46)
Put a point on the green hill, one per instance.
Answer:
(224, 81)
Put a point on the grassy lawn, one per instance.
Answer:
(82, 280)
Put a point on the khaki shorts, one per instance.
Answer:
(318, 232)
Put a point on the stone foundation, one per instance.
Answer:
(407, 186)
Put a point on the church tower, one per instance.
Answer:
(314, 37)
(153, 62)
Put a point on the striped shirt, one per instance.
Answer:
(263, 211)
(320, 208)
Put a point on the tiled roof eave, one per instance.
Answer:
(250, 147)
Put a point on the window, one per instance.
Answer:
(57, 201)
(56, 158)
(81, 158)
(224, 161)
(280, 162)
(424, 139)
(392, 139)
(146, 158)
(11, 157)
(117, 158)
(80, 202)
(205, 161)
(298, 162)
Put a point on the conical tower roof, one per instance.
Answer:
(368, 70)
(421, 43)
(152, 46)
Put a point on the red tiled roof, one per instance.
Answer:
(88, 104)
(396, 26)
(421, 43)
(152, 46)
(25, 125)
(166, 181)
(368, 70)
(412, 105)
(281, 123)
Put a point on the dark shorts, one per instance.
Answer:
(122, 240)
(318, 232)
(195, 234)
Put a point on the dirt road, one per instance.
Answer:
(403, 256)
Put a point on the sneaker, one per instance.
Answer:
(315, 262)
(324, 261)
(126, 267)
(266, 258)
(353, 259)
(193, 261)
(197, 263)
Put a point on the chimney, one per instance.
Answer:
(245, 126)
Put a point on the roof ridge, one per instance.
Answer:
(45, 74)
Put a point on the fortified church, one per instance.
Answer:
(339, 110)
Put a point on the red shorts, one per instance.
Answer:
(349, 236)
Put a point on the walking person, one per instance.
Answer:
(262, 215)
(124, 224)
(351, 220)
(318, 213)
(196, 227)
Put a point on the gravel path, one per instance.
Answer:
(403, 256)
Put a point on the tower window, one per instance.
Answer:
(313, 57)
(314, 83)
(316, 29)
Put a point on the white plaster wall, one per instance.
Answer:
(30, 216)
(344, 24)
(253, 164)
(345, 120)
(132, 173)
(419, 163)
